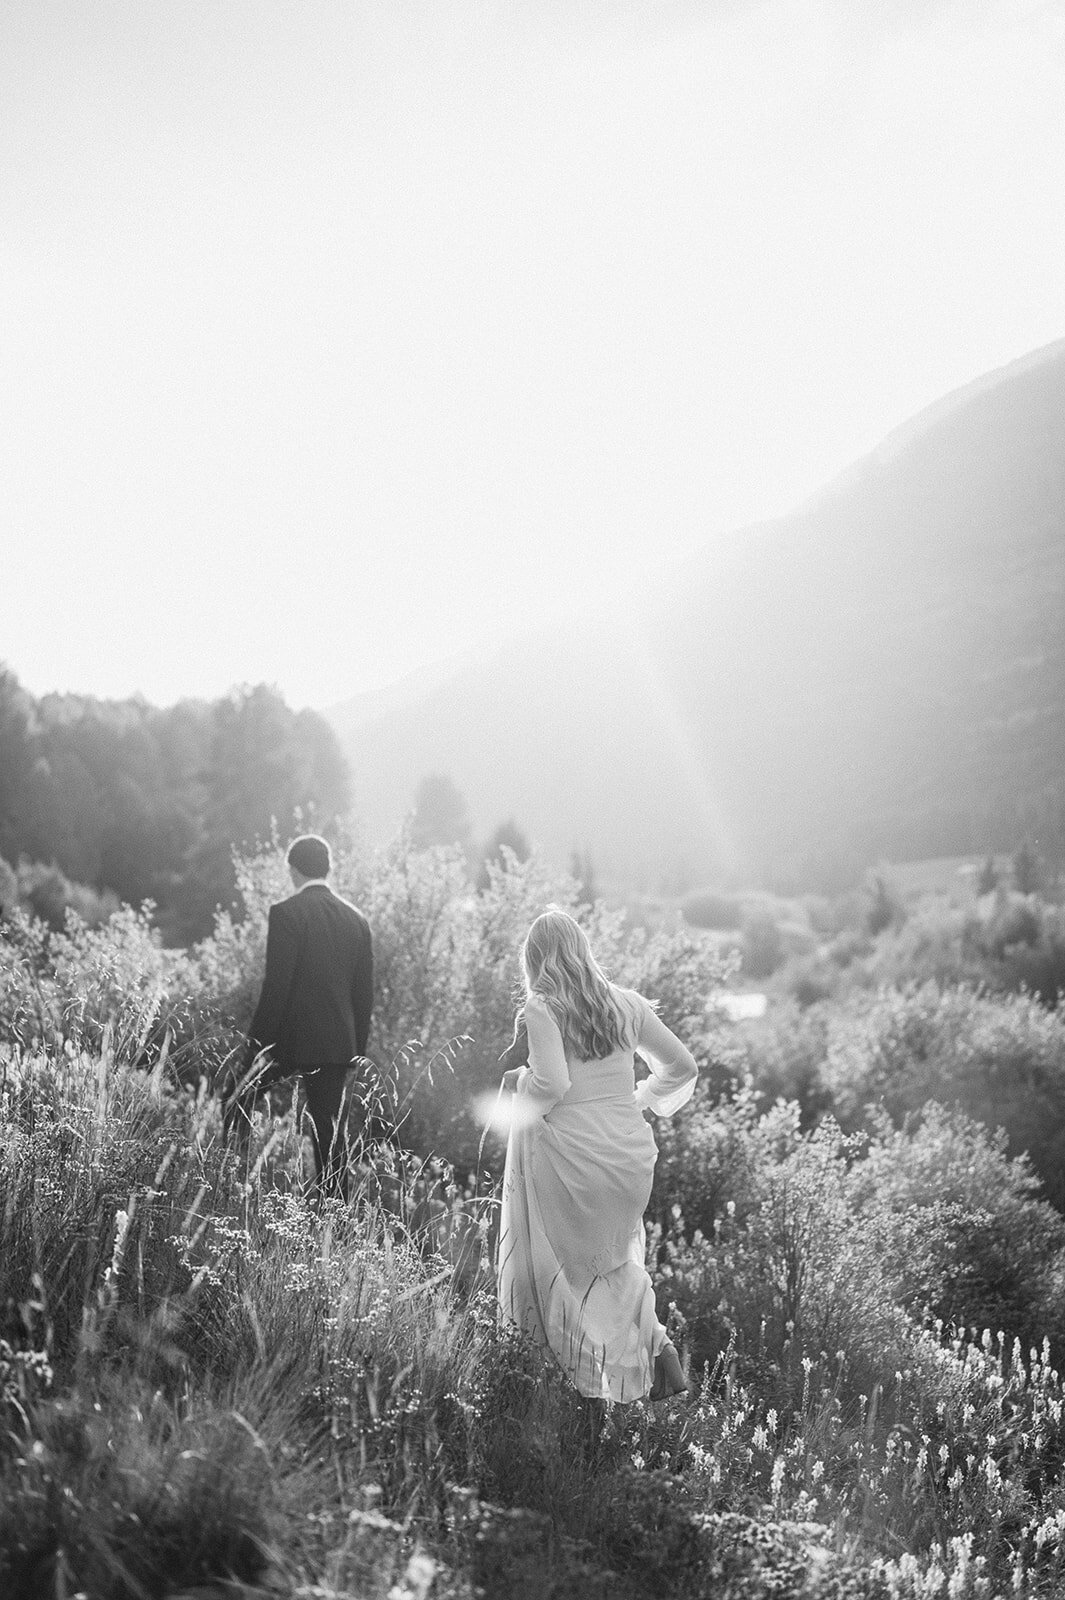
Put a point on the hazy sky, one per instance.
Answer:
(340, 337)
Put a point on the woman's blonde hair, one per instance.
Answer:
(560, 967)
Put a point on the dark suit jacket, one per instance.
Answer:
(317, 995)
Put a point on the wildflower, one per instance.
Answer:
(934, 1580)
(417, 1580)
(122, 1222)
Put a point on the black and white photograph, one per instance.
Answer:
(532, 800)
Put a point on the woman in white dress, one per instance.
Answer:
(580, 1159)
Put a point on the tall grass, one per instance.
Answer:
(206, 1377)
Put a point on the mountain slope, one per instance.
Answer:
(880, 673)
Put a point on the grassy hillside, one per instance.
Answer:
(205, 1379)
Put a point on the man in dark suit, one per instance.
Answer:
(313, 1016)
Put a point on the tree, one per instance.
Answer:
(1027, 870)
(763, 946)
(18, 751)
(508, 836)
(268, 767)
(102, 795)
(8, 889)
(987, 882)
(440, 816)
(885, 908)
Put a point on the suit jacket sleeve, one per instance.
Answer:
(282, 947)
(362, 993)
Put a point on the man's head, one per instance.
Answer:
(308, 857)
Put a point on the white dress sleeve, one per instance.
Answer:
(546, 1079)
(673, 1069)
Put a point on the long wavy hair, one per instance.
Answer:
(560, 967)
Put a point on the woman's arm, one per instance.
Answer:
(546, 1078)
(673, 1069)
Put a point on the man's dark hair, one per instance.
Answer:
(309, 856)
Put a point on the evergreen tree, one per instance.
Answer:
(440, 816)
(1027, 873)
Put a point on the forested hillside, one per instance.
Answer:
(117, 798)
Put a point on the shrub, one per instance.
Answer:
(772, 1262)
(763, 946)
(207, 1379)
(784, 1052)
(447, 975)
(962, 1233)
(707, 1162)
(72, 988)
(705, 908)
(787, 1246)
(8, 888)
(47, 893)
(1000, 1059)
(447, 981)
(812, 981)
(223, 1382)
(1018, 945)
(884, 908)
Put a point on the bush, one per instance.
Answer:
(1000, 1059)
(47, 893)
(784, 1246)
(204, 1378)
(884, 908)
(963, 1234)
(447, 981)
(783, 1054)
(812, 981)
(763, 946)
(69, 988)
(704, 908)
(785, 1272)
(707, 1161)
(1016, 945)
(8, 889)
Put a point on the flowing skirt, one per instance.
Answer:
(570, 1266)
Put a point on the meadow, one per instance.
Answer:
(210, 1385)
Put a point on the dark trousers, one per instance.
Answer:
(327, 1109)
(324, 1088)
